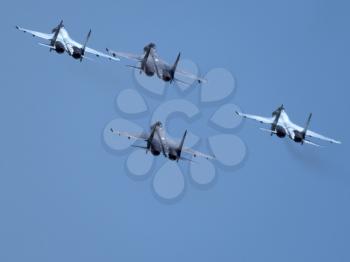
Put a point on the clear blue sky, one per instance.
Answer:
(63, 197)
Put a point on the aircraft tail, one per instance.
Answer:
(148, 51)
(303, 133)
(307, 124)
(149, 140)
(277, 115)
(56, 30)
(84, 46)
(173, 69)
(145, 58)
(179, 149)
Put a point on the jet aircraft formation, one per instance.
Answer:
(150, 63)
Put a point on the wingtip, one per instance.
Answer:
(17, 27)
(335, 142)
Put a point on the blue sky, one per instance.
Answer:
(63, 196)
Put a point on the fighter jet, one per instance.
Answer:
(157, 143)
(150, 63)
(281, 125)
(60, 41)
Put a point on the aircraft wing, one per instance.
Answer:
(260, 119)
(195, 153)
(124, 55)
(99, 54)
(35, 33)
(141, 136)
(316, 135)
(313, 134)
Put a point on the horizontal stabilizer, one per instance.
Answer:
(187, 159)
(182, 82)
(311, 143)
(88, 58)
(136, 67)
(45, 45)
(142, 147)
(268, 130)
